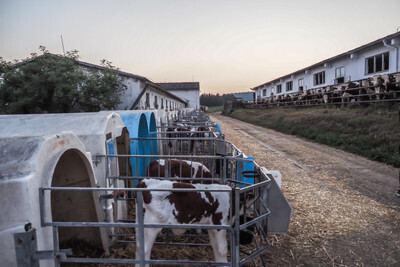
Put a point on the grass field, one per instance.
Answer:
(373, 132)
(215, 109)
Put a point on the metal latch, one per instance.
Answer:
(26, 250)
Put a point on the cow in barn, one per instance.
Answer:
(337, 92)
(200, 207)
(350, 92)
(179, 169)
(391, 87)
(326, 93)
(366, 89)
(379, 85)
(396, 80)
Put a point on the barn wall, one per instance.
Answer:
(354, 68)
(169, 103)
(128, 97)
(192, 95)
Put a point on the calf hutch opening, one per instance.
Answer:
(138, 184)
(73, 170)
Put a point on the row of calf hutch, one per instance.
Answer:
(76, 177)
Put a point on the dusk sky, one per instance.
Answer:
(227, 46)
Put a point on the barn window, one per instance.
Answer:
(155, 102)
(301, 84)
(377, 63)
(279, 88)
(289, 86)
(264, 92)
(339, 75)
(147, 104)
(162, 102)
(319, 78)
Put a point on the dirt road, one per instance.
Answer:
(345, 212)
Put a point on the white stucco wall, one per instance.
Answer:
(129, 96)
(169, 103)
(192, 95)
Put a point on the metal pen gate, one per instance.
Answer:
(239, 254)
(227, 165)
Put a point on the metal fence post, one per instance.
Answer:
(25, 248)
(140, 228)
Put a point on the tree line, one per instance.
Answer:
(49, 83)
(212, 100)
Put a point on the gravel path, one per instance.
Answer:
(345, 212)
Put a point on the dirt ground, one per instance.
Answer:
(345, 212)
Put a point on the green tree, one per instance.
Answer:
(49, 83)
(101, 89)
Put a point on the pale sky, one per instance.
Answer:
(227, 46)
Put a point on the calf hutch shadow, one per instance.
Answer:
(90, 193)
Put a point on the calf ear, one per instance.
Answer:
(250, 195)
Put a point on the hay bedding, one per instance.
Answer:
(202, 252)
(127, 250)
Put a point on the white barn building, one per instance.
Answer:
(189, 91)
(378, 57)
(142, 94)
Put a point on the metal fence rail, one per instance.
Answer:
(359, 95)
(227, 165)
(238, 255)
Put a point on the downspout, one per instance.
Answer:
(397, 53)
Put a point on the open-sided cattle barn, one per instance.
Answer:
(369, 73)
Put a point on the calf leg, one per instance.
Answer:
(219, 245)
(150, 235)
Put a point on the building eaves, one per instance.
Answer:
(348, 53)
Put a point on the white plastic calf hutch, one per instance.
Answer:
(98, 134)
(29, 162)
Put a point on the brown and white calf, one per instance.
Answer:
(172, 207)
(178, 169)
